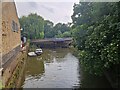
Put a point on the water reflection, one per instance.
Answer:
(58, 68)
(34, 67)
(92, 81)
(55, 68)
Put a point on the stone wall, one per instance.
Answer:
(0, 35)
(9, 57)
(10, 39)
(7, 72)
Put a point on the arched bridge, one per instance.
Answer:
(52, 42)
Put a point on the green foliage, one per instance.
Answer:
(35, 27)
(79, 34)
(96, 32)
(48, 29)
(66, 34)
(32, 26)
(42, 35)
(58, 31)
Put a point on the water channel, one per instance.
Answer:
(58, 68)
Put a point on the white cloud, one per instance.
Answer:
(47, 0)
(54, 11)
(61, 0)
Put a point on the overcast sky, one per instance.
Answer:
(53, 11)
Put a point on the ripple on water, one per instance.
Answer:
(58, 69)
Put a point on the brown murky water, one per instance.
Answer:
(58, 68)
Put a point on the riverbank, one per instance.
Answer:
(54, 68)
(59, 68)
(111, 76)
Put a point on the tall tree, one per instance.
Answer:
(48, 29)
(33, 26)
(96, 28)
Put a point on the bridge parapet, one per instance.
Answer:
(52, 42)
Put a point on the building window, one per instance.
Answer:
(14, 26)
